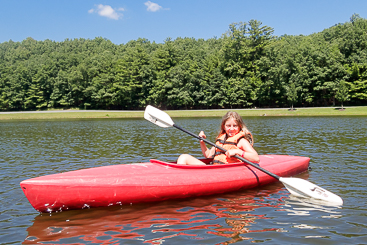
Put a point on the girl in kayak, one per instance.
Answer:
(233, 136)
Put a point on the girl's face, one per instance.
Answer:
(231, 127)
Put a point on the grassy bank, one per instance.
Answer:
(316, 111)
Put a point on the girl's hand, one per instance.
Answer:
(232, 153)
(202, 135)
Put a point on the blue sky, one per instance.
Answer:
(123, 20)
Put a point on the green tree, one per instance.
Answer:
(358, 81)
(342, 93)
(243, 46)
(292, 94)
(131, 78)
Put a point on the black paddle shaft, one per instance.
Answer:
(224, 150)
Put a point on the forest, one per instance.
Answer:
(246, 67)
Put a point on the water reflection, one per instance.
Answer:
(303, 207)
(189, 220)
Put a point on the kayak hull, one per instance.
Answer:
(151, 181)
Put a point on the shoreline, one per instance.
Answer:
(276, 112)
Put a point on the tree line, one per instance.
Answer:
(246, 67)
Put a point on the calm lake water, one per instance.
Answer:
(336, 146)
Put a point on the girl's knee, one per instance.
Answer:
(183, 159)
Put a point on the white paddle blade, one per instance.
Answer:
(158, 117)
(303, 188)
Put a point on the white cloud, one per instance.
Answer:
(107, 11)
(152, 7)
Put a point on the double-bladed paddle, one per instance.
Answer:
(296, 186)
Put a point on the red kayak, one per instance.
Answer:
(151, 181)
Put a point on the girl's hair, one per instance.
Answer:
(241, 125)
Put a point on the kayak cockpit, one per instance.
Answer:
(207, 161)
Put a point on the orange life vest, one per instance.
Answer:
(228, 144)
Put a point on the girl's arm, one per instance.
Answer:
(208, 153)
(246, 151)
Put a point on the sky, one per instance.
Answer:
(121, 21)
